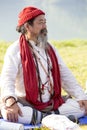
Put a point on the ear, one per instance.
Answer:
(27, 26)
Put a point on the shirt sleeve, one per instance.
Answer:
(68, 81)
(9, 72)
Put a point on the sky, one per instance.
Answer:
(66, 19)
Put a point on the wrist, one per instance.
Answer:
(10, 105)
(10, 100)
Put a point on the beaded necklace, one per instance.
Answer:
(47, 72)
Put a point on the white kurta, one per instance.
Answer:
(12, 83)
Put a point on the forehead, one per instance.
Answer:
(40, 18)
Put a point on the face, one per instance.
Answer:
(39, 24)
(39, 31)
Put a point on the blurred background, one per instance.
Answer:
(66, 19)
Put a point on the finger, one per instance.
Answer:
(85, 105)
(80, 104)
(9, 116)
(12, 117)
(16, 117)
(20, 112)
(86, 113)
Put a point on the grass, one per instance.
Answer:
(3, 48)
(74, 54)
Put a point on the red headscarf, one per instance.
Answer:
(31, 80)
(27, 14)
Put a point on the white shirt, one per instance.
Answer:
(12, 83)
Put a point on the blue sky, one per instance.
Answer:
(66, 19)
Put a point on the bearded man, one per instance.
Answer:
(34, 73)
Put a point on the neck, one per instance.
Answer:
(33, 38)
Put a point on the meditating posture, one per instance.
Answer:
(33, 75)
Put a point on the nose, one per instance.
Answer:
(44, 25)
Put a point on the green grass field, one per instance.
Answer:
(3, 47)
(73, 52)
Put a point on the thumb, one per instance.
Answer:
(80, 104)
(20, 112)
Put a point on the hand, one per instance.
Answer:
(11, 114)
(83, 104)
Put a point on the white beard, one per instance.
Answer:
(42, 39)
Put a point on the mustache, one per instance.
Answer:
(44, 31)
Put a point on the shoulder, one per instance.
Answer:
(13, 51)
(14, 47)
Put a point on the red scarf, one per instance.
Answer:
(31, 79)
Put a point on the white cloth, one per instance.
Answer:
(59, 122)
(12, 83)
(71, 107)
(4, 125)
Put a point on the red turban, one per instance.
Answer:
(28, 13)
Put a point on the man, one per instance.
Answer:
(33, 75)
